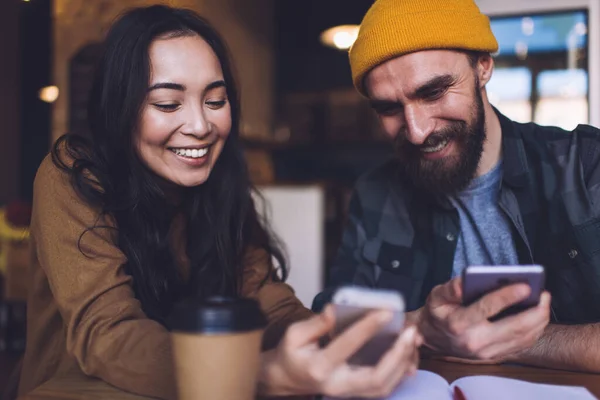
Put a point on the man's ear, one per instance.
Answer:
(485, 67)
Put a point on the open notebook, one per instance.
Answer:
(430, 386)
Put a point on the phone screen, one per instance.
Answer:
(352, 304)
(481, 280)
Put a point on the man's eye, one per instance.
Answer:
(435, 94)
(388, 110)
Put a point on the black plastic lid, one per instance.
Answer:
(217, 315)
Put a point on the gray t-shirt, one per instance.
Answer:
(485, 231)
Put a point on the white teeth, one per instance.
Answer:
(191, 153)
(439, 147)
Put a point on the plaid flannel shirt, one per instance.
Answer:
(401, 238)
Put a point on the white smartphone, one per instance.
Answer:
(353, 303)
(478, 280)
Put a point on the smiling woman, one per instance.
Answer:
(186, 117)
(156, 208)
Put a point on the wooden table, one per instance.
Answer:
(74, 385)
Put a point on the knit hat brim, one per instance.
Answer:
(443, 29)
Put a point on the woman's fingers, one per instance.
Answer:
(326, 370)
(380, 380)
(311, 330)
(353, 338)
(397, 362)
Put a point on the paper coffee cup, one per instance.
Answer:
(216, 348)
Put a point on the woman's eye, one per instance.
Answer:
(167, 107)
(216, 104)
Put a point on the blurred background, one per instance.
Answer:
(308, 135)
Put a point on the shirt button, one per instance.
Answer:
(450, 237)
(395, 264)
(573, 253)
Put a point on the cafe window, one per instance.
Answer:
(541, 72)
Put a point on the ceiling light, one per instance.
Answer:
(49, 94)
(340, 37)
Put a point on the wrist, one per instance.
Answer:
(268, 374)
(534, 354)
(417, 318)
(520, 357)
(272, 379)
(413, 317)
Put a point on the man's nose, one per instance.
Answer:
(419, 124)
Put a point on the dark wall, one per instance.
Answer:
(333, 135)
(303, 63)
(35, 34)
(9, 100)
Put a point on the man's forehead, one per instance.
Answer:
(410, 71)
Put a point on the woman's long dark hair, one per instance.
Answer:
(221, 220)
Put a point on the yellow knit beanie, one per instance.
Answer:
(392, 28)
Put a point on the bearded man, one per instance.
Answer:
(468, 186)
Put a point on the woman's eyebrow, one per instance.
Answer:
(215, 84)
(167, 85)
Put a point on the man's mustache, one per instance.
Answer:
(432, 140)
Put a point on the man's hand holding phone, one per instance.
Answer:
(465, 331)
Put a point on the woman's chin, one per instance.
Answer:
(186, 180)
(190, 183)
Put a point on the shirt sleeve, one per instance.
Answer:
(277, 299)
(349, 266)
(106, 330)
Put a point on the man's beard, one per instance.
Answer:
(452, 173)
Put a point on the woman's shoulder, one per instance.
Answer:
(50, 176)
(56, 163)
(54, 184)
(57, 203)
(55, 172)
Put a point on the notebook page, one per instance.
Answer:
(495, 388)
(424, 385)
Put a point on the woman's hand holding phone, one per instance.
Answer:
(300, 366)
(351, 303)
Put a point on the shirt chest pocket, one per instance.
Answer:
(584, 255)
(572, 262)
(394, 266)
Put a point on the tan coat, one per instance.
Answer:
(81, 306)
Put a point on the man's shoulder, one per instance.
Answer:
(556, 138)
(551, 149)
(588, 132)
(555, 143)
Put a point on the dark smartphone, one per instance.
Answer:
(479, 280)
